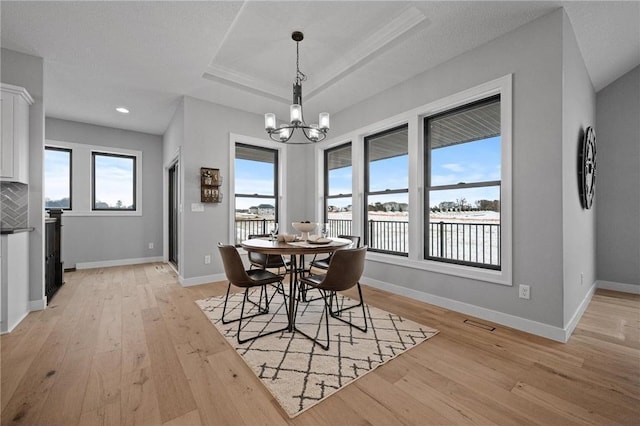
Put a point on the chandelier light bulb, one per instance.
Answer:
(314, 133)
(295, 112)
(324, 121)
(284, 133)
(269, 121)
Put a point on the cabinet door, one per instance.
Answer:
(7, 145)
(21, 140)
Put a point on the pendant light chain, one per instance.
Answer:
(300, 76)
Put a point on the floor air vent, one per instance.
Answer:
(479, 325)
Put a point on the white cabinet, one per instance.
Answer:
(14, 288)
(14, 125)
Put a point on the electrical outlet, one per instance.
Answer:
(150, 246)
(524, 292)
(207, 259)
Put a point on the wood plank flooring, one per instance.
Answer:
(127, 346)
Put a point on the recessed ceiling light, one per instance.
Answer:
(122, 110)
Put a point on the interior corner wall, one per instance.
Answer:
(579, 225)
(533, 54)
(88, 239)
(206, 144)
(617, 197)
(27, 71)
(172, 142)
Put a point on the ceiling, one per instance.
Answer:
(145, 55)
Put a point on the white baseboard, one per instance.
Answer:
(37, 305)
(625, 288)
(205, 279)
(10, 327)
(118, 262)
(529, 326)
(573, 322)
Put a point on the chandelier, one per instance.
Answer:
(313, 132)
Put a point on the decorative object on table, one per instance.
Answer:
(210, 181)
(292, 368)
(587, 168)
(313, 132)
(286, 237)
(304, 228)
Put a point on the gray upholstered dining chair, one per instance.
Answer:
(345, 269)
(248, 279)
(267, 261)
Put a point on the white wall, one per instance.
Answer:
(617, 197)
(533, 54)
(579, 231)
(27, 71)
(106, 240)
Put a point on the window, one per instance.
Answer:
(387, 191)
(113, 182)
(462, 185)
(338, 200)
(57, 178)
(256, 190)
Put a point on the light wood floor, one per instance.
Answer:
(127, 345)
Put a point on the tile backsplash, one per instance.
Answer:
(14, 205)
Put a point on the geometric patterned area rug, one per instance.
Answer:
(300, 374)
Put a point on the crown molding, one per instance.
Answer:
(394, 31)
(377, 43)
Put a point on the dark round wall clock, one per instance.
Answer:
(587, 168)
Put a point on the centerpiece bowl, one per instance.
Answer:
(304, 228)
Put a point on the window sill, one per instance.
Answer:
(101, 213)
(469, 272)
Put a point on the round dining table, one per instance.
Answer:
(297, 250)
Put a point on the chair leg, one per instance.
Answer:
(267, 300)
(338, 313)
(325, 312)
(261, 310)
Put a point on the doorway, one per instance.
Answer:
(174, 204)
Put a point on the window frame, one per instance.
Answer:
(276, 165)
(367, 193)
(281, 175)
(94, 154)
(70, 151)
(81, 185)
(428, 188)
(326, 197)
(502, 85)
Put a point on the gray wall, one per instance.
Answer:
(206, 144)
(109, 238)
(618, 180)
(27, 71)
(533, 53)
(579, 230)
(201, 130)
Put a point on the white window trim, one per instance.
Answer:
(414, 118)
(282, 177)
(82, 176)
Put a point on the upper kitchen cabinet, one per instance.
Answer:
(14, 149)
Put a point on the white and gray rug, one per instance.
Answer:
(300, 374)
